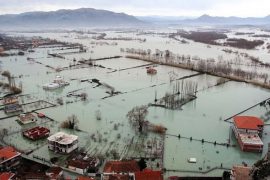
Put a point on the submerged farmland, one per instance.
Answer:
(188, 103)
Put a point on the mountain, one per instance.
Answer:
(206, 19)
(161, 18)
(84, 17)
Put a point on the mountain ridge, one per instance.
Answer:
(207, 19)
(83, 17)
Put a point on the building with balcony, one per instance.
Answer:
(62, 143)
(248, 131)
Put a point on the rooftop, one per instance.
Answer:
(8, 152)
(85, 178)
(63, 138)
(36, 132)
(26, 117)
(6, 175)
(54, 170)
(148, 174)
(252, 139)
(83, 161)
(11, 100)
(119, 177)
(248, 122)
(121, 166)
(241, 173)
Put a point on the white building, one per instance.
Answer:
(62, 142)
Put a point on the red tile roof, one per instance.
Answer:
(78, 164)
(6, 175)
(36, 133)
(119, 177)
(8, 152)
(85, 178)
(54, 170)
(121, 166)
(241, 173)
(248, 122)
(41, 115)
(148, 174)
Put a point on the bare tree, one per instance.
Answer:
(98, 115)
(84, 96)
(70, 123)
(137, 116)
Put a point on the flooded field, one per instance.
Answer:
(191, 130)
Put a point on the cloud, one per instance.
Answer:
(146, 7)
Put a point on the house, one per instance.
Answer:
(148, 174)
(119, 177)
(84, 178)
(12, 104)
(54, 173)
(120, 170)
(35, 176)
(41, 115)
(11, 108)
(9, 158)
(248, 130)
(11, 100)
(125, 166)
(62, 142)
(82, 163)
(27, 118)
(36, 133)
(129, 169)
(151, 70)
(6, 176)
(240, 173)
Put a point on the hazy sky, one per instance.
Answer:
(241, 8)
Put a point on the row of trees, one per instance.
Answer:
(218, 67)
(181, 93)
(11, 83)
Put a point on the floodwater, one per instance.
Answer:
(199, 119)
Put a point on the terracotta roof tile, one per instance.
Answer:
(118, 177)
(241, 173)
(121, 166)
(148, 174)
(6, 175)
(7, 153)
(85, 178)
(248, 122)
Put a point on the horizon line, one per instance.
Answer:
(152, 15)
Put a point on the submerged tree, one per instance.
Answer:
(142, 164)
(261, 169)
(84, 96)
(70, 123)
(98, 115)
(137, 116)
